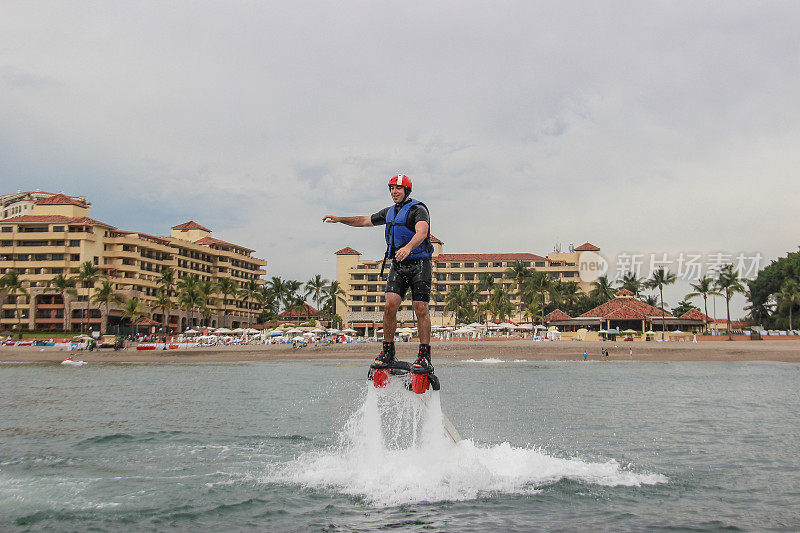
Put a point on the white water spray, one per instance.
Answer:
(395, 449)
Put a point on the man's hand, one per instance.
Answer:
(330, 219)
(402, 253)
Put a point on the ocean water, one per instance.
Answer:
(309, 446)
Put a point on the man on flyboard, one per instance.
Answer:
(408, 245)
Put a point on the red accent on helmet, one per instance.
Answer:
(402, 180)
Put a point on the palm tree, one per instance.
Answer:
(729, 282)
(500, 303)
(165, 304)
(540, 283)
(705, 288)
(248, 293)
(631, 282)
(290, 296)
(603, 289)
(189, 295)
(207, 289)
(269, 301)
(519, 272)
(790, 295)
(106, 295)
(659, 278)
(226, 287)
(278, 287)
(167, 280)
(333, 293)
(314, 287)
(651, 300)
(12, 284)
(133, 309)
(87, 275)
(62, 285)
(456, 302)
(532, 309)
(471, 293)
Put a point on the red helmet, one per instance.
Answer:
(402, 180)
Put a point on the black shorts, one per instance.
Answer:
(414, 273)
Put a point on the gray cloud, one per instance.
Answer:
(650, 126)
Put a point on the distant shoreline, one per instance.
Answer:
(784, 351)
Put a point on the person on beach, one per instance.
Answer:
(408, 246)
(585, 356)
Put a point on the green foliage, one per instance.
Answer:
(683, 307)
(764, 289)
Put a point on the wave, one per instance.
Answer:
(394, 451)
(488, 361)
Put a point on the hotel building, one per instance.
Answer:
(56, 235)
(364, 289)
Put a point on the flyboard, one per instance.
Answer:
(418, 383)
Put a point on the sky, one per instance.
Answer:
(645, 128)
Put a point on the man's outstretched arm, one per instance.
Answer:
(357, 222)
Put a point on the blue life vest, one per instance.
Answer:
(398, 234)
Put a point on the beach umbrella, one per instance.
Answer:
(224, 330)
(677, 332)
(298, 338)
(349, 330)
(317, 330)
(251, 331)
(629, 331)
(191, 331)
(649, 332)
(293, 330)
(276, 334)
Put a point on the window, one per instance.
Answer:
(497, 264)
(539, 264)
(372, 277)
(370, 308)
(6, 243)
(526, 263)
(438, 265)
(497, 275)
(455, 265)
(483, 265)
(75, 243)
(6, 229)
(569, 274)
(441, 288)
(358, 287)
(455, 277)
(358, 298)
(554, 275)
(469, 265)
(441, 277)
(469, 277)
(356, 308)
(455, 287)
(358, 276)
(58, 228)
(75, 257)
(372, 299)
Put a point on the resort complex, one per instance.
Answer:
(54, 236)
(362, 305)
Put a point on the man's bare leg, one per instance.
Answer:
(423, 362)
(390, 315)
(390, 308)
(423, 322)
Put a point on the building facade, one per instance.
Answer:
(21, 203)
(364, 288)
(57, 235)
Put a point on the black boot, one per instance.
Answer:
(386, 357)
(423, 363)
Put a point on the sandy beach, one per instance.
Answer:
(785, 351)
